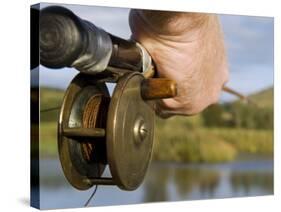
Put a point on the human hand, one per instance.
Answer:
(187, 48)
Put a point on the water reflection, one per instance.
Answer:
(173, 182)
(246, 181)
(184, 181)
(187, 179)
(164, 182)
(155, 186)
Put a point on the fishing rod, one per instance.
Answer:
(242, 97)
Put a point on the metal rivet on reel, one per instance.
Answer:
(140, 130)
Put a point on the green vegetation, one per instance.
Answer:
(218, 134)
(247, 140)
(264, 98)
(178, 140)
(48, 139)
(49, 99)
(240, 115)
(187, 145)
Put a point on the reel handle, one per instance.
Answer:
(158, 88)
(68, 41)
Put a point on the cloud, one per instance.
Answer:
(250, 48)
(249, 40)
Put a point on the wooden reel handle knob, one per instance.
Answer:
(158, 88)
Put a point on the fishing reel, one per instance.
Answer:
(94, 128)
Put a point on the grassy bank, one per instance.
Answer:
(181, 139)
(211, 145)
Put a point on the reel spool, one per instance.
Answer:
(81, 131)
(95, 130)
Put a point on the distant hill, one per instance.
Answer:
(263, 98)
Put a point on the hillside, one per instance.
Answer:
(264, 98)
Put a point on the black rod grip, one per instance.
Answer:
(68, 41)
(62, 37)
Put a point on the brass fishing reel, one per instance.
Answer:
(94, 128)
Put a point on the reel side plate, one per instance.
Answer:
(129, 133)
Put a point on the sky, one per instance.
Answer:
(249, 43)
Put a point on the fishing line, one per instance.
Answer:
(49, 109)
(95, 190)
(91, 197)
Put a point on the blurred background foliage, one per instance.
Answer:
(221, 133)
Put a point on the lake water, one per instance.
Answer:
(163, 182)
